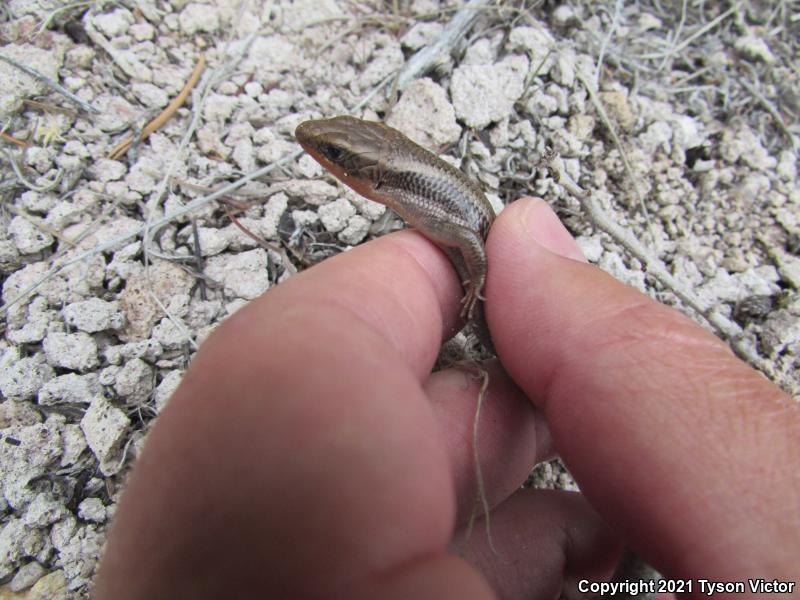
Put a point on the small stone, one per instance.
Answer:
(26, 576)
(421, 34)
(94, 315)
(134, 382)
(314, 192)
(104, 427)
(150, 95)
(591, 246)
(44, 510)
(142, 31)
(166, 388)
(38, 203)
(244, 155)
(304, 218)
(199, 17)
(28, 238)
(69, 389)
(273, 212)
(483, 94)
(219, 108)
(92, 509)
(106, 170)
(356, 230)
(75, 351)
(537, 42)
(425, 115)
(21, 378)
(334, 215)
(754, 49)
(618, 108)
(212, 241)
(115, 23)
(74, 444)
(244, 275)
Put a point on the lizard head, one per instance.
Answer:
(348, 147)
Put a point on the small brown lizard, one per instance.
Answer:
(429, 194)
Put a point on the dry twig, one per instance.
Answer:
(165, 115)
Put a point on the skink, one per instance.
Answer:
(429, 194)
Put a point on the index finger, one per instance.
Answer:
(686, 450)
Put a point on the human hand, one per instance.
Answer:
(310, 453)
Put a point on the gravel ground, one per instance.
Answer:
(680, 122)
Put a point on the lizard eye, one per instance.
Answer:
(331, 152)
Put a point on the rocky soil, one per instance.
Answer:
(680, 122)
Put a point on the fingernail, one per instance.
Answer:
(546, 229)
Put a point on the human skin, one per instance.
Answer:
(310, 453)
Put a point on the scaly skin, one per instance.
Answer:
(429, 194)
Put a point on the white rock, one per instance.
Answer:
(104, 427)
(134, 382)
(63, 531)
(244, 275)
(334, 215)
(12, 537)
(21, 378)
(38, 202)
(368, 208)
(114, 23)
(535, 40)
(686, 132)
(744, 144)
(754, 48)
(219, 108)
(212, 241)
(356, 230)
(273, 211)
(166, 388)
(94, 315)
(106, 170)
(149, 350)
(34, 330)
(75, 351)
(486, 93)
(244, 155)
(199, 17)
(724, 287)
(92, 509)
(656, 137)
(28, 238)
(18, 85)
(69, 389)
(269, 55)
(304, 218)
(74, 444)
(787, 166)
(150, 95)
(44, 510)
(26, 576)
(591, 246)
(564, 16)
(79, 556)
(142, 31)
(39, 446)
(314, 192)
(565, 68)
(648, 21)
(421, 34)
(425, 115)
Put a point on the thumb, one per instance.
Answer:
(664, 429)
